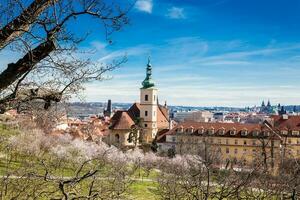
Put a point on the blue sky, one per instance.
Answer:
(207, 52)
(204, 52)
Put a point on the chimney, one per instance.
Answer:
(171, 124)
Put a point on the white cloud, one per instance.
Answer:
(193, 71)
(144, 5)
(176, 13)
(99, 45)
(131, 51)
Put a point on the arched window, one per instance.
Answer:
(233, 131)
(117, 138)
(222, 131)
(190, 129)
(211, 131)
(255, 132)
(201, 130)
(180, 129)
(244, 132)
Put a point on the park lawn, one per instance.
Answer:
(143, 190)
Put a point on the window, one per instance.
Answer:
(146, 125)
(146, 97)
(191, 130)
(173, 139)
(253, 151)
(245, 150)
(254, 142)
(227, 142)
(211, 131)
(222, 131)
(255, 133)
(295, 132)
(233, 131)
(180, 129)
(245, 142)
(289, 141)
(235, 141)
(266, 133)
(235, 151)
(201, 130)
(298, 141)
(227, 150)
(219, 141)
(117, 138)
(284, 132)
(146, 113)
(244, 132)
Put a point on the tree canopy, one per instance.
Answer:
(49, 67)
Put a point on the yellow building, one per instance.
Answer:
(243, 143)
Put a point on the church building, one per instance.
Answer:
(147, 117)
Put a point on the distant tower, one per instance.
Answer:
(269, 104)
(295, 109)
(148, 103)
(269, 109)
(108, 110)
(263, 107)
(263, 104)
(282, 111)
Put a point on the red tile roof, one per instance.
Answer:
(161, 135)
(197, 128)
(121, 121)
(291, 123)
(134, 110)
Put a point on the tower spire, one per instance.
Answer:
(149, 60)
(148, 82)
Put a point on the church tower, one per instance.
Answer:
(148, 106)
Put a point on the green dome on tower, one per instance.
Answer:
(148, 82)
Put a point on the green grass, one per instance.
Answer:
(143, 190)
(143, 173)
(6, 131)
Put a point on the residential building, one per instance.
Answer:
(278, 136)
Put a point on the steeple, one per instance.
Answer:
(263, 104)
(148, 82)
(282, 111)
(269, 103)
